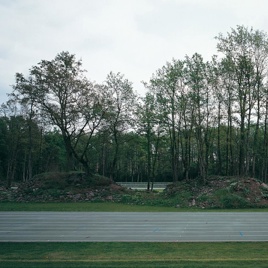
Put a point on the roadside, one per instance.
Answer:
(218, 192)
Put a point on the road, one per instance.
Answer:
(128, 226)
(143, 185)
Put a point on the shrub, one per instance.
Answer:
(233, 201)
(99, 180)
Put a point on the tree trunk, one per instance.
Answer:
(149, 156)
(219, 160)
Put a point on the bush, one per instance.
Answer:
(99, 180)
(52, 180)
(233, 201)
(54, 193)
(63, 180)
(203, 198)
(224, 198)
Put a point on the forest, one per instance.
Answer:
(197, 119)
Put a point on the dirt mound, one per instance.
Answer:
(64, 186)
(223, 192)
(218, 192)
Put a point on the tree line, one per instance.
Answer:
(198, 118)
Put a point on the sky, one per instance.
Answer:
(133, 37)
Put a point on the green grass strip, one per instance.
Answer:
(111, 254)
(107, 207)
(81, 206)
(122, 251)
(153, 264)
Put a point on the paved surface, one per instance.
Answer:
(143, 185)
(115, 226)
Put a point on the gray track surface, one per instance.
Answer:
(128, 226)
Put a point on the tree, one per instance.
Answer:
(68, 100)
(165, 85)
(245, 63)
(120, 115)
(148, 124)
(3, 147)
(200, 97)
(53, 154)
(217, 113)
(24, 95)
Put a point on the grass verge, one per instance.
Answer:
(111, 254)
(107, 207)
(80, 206)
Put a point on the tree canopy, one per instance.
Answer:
(198, 118)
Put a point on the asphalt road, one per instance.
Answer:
(128, 226)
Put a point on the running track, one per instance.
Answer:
(133, 227)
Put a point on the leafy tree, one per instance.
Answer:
(24, 96)
(245, 63)
(197, 83)
(198, 118)
(66, 98)
(120, 115)
(165, 84)
(53, 154)
(3, 147)
(148, 124)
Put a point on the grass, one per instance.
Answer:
(146, 264)
(112, 254)
(108, 207)
(101, 207)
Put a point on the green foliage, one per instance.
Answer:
(99, 181)
(224, 198)
(53, 192)
(156, 199)
(52, 180)
(196, 119)
(66, 180)
(204, 198)
(234, 201)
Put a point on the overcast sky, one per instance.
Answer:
(134, 37)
